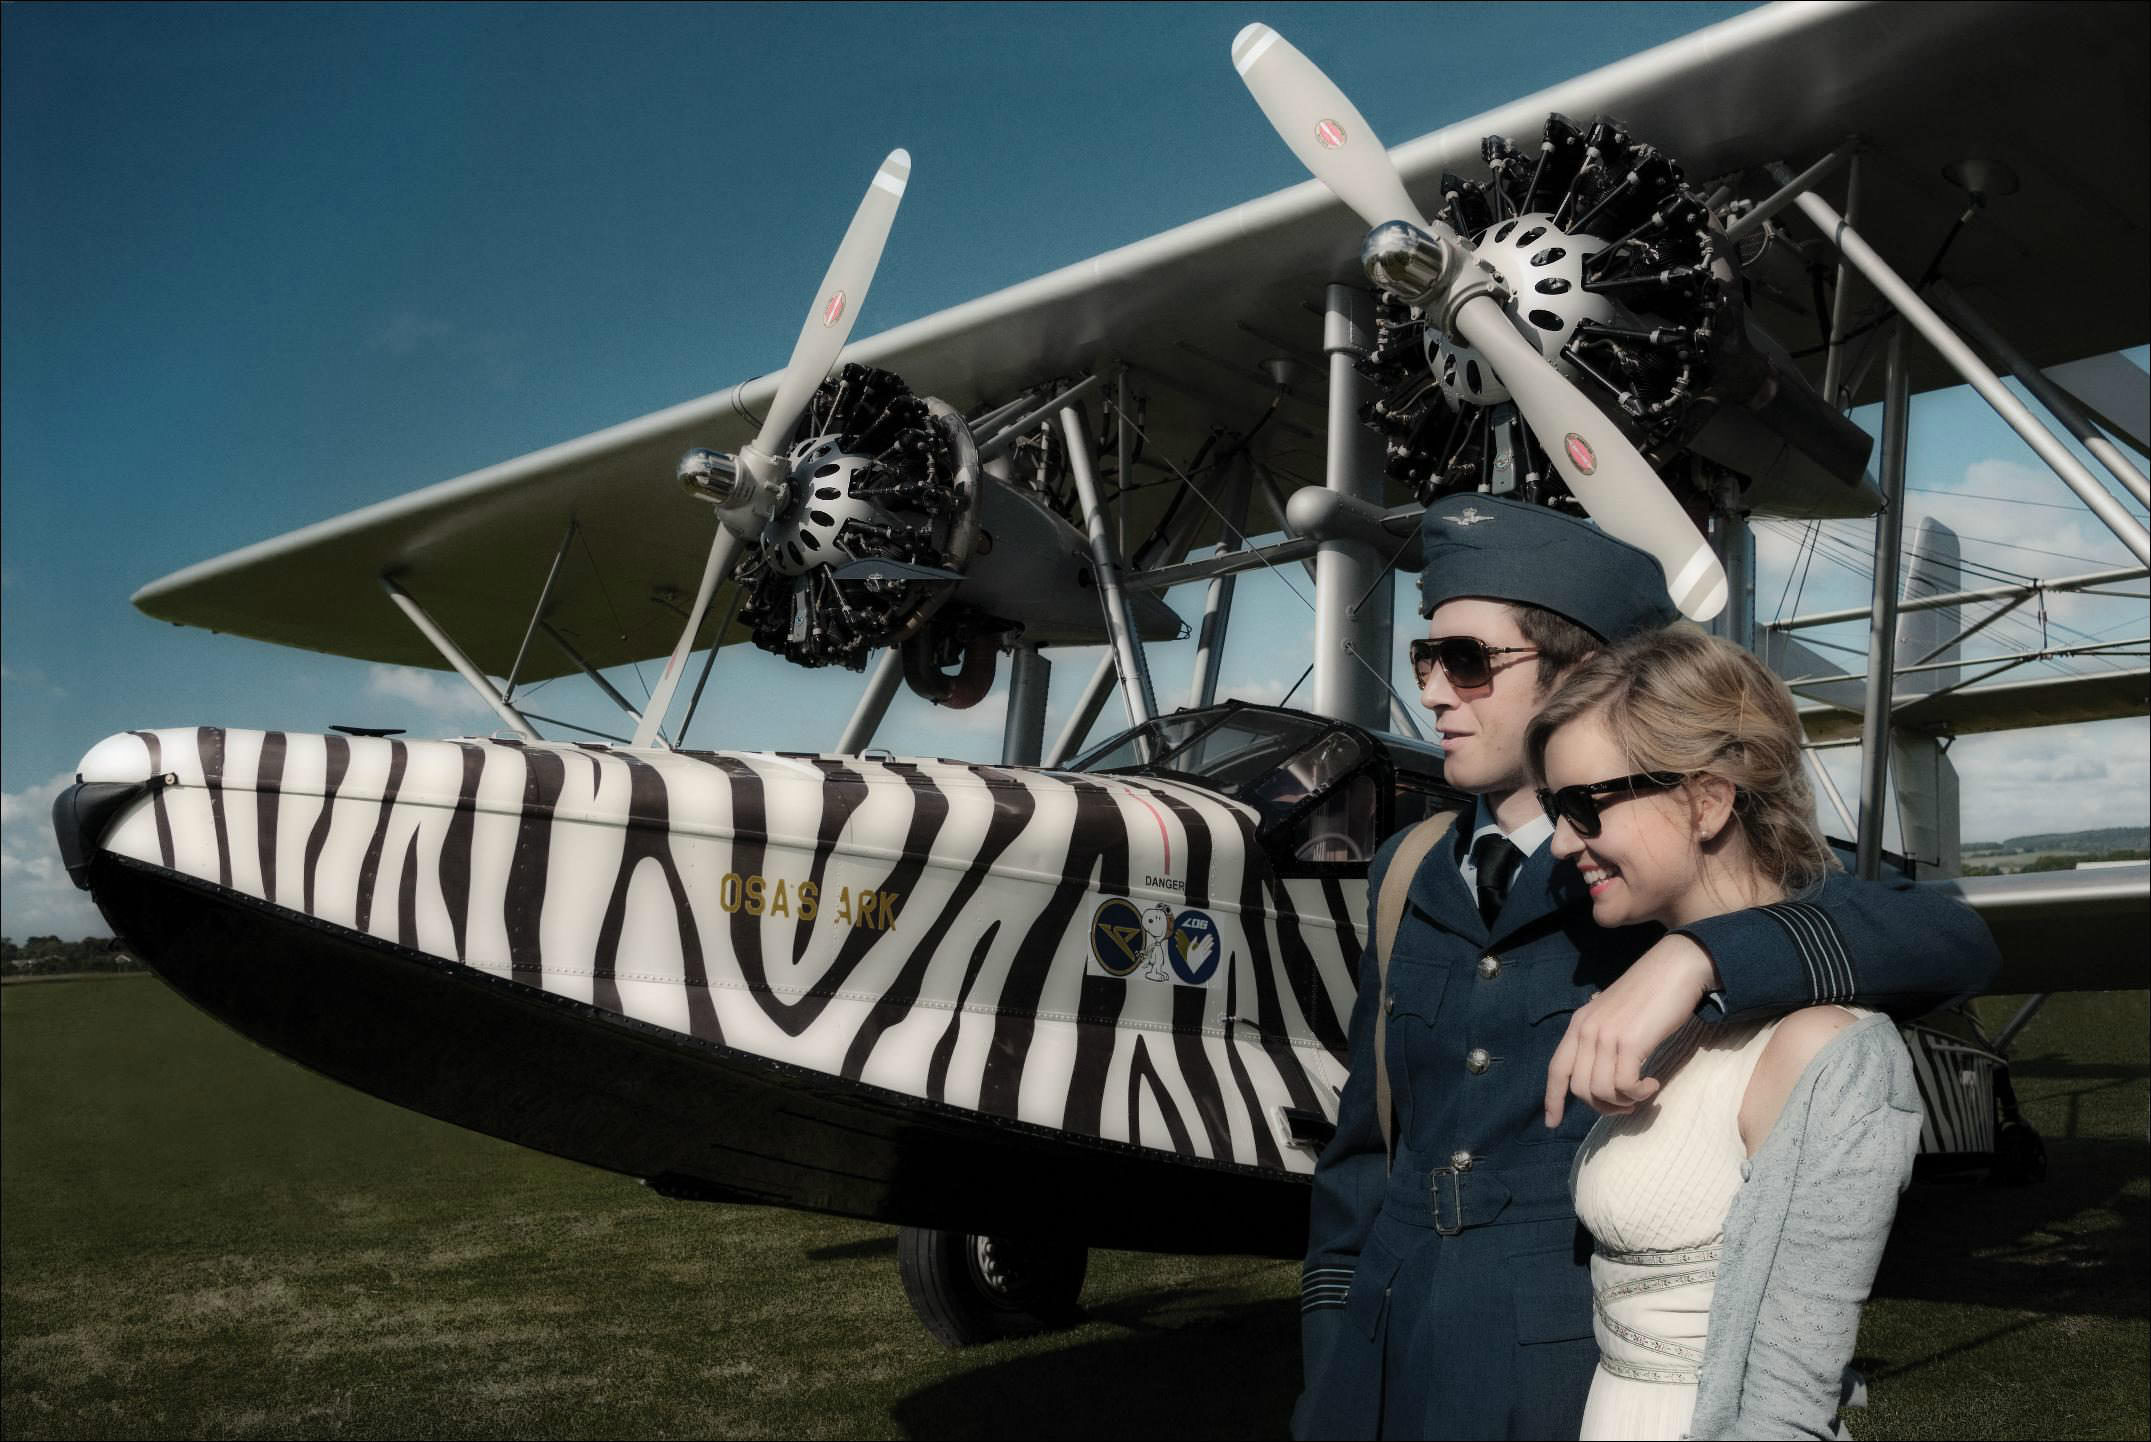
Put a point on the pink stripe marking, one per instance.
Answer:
(1163, 835)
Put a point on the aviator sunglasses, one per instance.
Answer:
(1465, 660)
(1579, 805)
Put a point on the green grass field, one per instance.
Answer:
(201, 1239)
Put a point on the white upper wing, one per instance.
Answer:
(2053, 90)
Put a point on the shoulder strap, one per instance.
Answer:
(1411, 852)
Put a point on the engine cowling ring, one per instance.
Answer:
(880, 518)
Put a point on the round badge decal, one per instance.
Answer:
(1195, 947)
(1116, 936)
(1579, 451)
(833, 311)
(1329, 134)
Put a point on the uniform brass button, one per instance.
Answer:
(1476, 1060)
(1460, 1161)
(1489, 967)
(1389, 1004)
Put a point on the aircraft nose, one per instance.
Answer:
(84, 812)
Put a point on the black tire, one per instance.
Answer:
(2019, 1155)
(969, 1289)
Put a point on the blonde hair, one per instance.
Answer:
(1680, 700)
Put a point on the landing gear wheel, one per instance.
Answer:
(969, 1289)
(2019, 1155)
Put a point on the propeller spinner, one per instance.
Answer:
(1431, 266)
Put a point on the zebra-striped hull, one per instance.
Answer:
(959, 996)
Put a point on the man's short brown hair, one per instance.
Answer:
(1561, 642)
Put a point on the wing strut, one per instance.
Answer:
(1217, 603)
(2058, 402)
(1966, 363)
(1127, 646)
(1354, 610)
(873, 702)
(1882, 625)
(611, 691)
(1023, 731)
(455, 657)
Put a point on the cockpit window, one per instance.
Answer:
(1317, 784)
(1225, 747)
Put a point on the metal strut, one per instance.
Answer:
(455, 657)
(1966, 363)
(1353, 605)
(1882, 626)
(1023, 732)
(1105, 570)
(2057, 401)
(1217, 602)
(873, 702)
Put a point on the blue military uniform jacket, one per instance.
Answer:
(1449, 1295)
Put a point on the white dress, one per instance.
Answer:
(1654, 1188)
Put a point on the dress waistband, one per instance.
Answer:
(1453, 1199)
(1628, 1308)
(1684, 1258)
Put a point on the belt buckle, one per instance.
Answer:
(1456, 1192)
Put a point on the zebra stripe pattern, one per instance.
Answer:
(1956, 1091)
(930, 927)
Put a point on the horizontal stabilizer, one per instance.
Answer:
(2077, 930)
(2003, 706)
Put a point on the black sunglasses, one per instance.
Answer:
(1465, 660)
(1579, 805)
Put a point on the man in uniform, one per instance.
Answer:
(1446, 1291)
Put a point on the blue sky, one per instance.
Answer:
(262, 265)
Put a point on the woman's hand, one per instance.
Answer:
(1613, 1034)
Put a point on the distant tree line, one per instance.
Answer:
(48, 954)
(2064, 861)
(2081, 843)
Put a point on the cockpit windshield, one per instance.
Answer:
(1311, 779)
(1224, 748)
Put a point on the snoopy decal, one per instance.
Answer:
(1157, 943)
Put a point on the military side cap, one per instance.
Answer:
(1510, 551)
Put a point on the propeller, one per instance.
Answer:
(753, 493)
(1604, 472)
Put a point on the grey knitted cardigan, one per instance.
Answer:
(1803, 1239)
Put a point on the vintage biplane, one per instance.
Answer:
(1097, 997)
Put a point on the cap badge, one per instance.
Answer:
(1469, 516)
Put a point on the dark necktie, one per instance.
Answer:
(1497, 860)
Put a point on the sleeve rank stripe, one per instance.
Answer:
(1829, 967)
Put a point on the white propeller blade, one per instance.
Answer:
(1331, 138)
(1603, 470)
(724, 552)
(1606, 473)
(843, 291)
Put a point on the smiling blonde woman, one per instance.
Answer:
(1739, 1212)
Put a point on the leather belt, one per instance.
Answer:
(1448, 1199)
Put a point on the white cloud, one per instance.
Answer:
(36, 896)
(430, 691)
(2058, 778)
(34, 678)
(407, 334)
